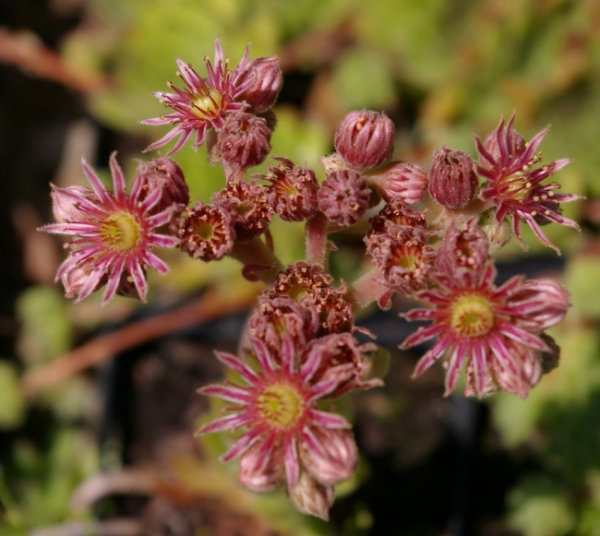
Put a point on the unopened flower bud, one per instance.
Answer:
(310, 497)
(400, 180)
(248, 205)
(344, 197)
(504, 141)
(262, 81)
(452, 179)
(463, 247)
(167, 176)
(261, 472)
(336, 459)
(77, 275)
(546, 302)
(244, 140)
(365, 139)
(66, 203)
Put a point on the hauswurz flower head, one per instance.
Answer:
(496, 332)
(114, 235)
(514, 181)
(204, 103)
(287, 439)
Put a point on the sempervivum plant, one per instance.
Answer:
(301, 350)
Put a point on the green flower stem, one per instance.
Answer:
(258, 259)
(366, 289)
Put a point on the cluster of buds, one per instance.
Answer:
(301, 349)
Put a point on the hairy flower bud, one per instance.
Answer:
(311, 497)
(278, 317)
(344, 197)
(395, 214)
(365, 139)
(248, 205)
(311, 286)
(502, 141)
(403, 256)
(400, 180)
(244, 140)
(452, 179)
(463, 247)
(293, 190)
(260, 83)
(167, 176)
(65, 205)
(545, 300)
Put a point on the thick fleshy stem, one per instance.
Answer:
(258, 259)
(316, 239)
(367, 289)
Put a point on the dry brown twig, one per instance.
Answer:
(24, 50)
(210, 305)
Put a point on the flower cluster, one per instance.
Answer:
(301, 349)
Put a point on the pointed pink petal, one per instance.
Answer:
(174, 132)
(432, 356)
(151, 200)
(421, 335)
(118, 178)
(95, 182)
(113, 280)
(70, 228)
(155, 262)
(163, 241)
(524, 337)
(290, 457)
(263, 355)
(329, 420)
(90, 285)
(231, 361)
(232, 393)
(230, 422)
(157, 220)
(139, 280)
(455, 363)
(241, 445)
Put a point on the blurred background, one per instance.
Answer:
(98, 405)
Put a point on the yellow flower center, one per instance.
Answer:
(472, 316)
(207, 104)
(517, 186)
(280, 405)
(120, 231)
(204, 230)
(407, 261)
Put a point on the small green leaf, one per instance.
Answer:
(582, 278)
(12, 401)
(539, 508)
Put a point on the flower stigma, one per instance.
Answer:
(280, 405)
(472, 316)
(120, 231)
(207, 104)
